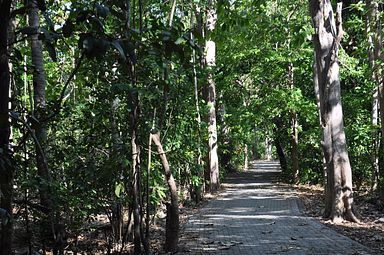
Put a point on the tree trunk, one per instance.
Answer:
(118, 154)
(6, 165)
(172, 224)
(326, 40)
(374, 53)
(268, 149)
(134, 118)
(279, 148)
(210, 48)
(295, 147)
(39, 85)
(197, 190)
(135, 148)
(246, 157)
(294, 132)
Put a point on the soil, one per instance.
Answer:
(368, 209)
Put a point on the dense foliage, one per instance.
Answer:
(99, 56)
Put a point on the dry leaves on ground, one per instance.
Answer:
(370, 232)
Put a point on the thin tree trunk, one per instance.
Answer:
(39, 87)
(6, 166)
(246, 157)
(210, 57)
(117, 152)
(136, 173)
(173, 223)
(294, 132)
(279, 148)
(295, 147)
(328, 34)
(268, 149)
(135, 150)
(197, 190)
(381, 146)
(374, 53)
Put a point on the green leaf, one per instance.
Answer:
(180, 40)
(119, 188)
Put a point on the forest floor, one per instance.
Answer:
(368, 209)
(370, 232)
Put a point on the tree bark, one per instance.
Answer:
(197, 190)
(39, 84)
(210, 48)
(294, 131)
(173, 223)
(136, 172)
(374, 54)
(246, 157)
(327, 37)
(118, 154)
(6, 166)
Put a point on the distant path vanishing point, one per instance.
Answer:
(256, 215)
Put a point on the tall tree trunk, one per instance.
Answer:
(210, 48)
(294, 131)
(135, 149)
(6, 165)
(39, 85)
(326, 154)
(374, 54)
(134, 118)
(172, 225)
(327, 37)
(197, 190)
(118, 154)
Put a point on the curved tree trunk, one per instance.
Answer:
(6, 165)
(173, 223)
(327, 37)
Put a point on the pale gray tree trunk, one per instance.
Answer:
(374, 54)
(197, 190)
(327, 38)
(246, 160)
(118, 154)
(39, 85)
(6, 164)
(173, 222)
(210, 59)
(48, 227)
(295, 130)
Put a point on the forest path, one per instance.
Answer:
(255, 214)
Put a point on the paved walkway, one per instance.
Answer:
(255, 215)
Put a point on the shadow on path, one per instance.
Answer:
(256, 215)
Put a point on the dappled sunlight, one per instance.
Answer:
(256, 215)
